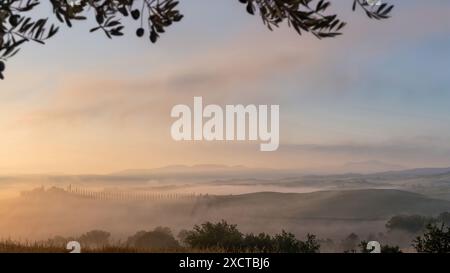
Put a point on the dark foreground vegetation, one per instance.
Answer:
(209, 237)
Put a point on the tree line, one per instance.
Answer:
(224, 237)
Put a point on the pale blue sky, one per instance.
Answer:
(84, 103)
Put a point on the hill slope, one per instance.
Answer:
(355, 204)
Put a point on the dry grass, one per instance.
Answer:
(9, 246)
(15, 247)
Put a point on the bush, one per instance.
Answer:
(434, 240)
(286, 243)
(409, 223)
(311, 245)
(215, 236)
(259, 243)
(95, 238)
(223, 236)
(159, 238)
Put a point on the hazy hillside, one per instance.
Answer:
(325, 213)
(222, 180)
(258, 200)
(370, 204)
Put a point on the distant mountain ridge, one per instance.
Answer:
(357, 168)
(183, 168)
(370, 166)
(419, 172)
(212, 170)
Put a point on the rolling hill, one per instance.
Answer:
(371, 204)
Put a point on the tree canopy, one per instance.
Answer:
(409, 223)
(435, 239)
(18, 25)
(227, 237)
(159, 238)
(416, 223)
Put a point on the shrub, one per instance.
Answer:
(159, 238)
(434, 240)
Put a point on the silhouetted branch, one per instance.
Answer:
(154, 16)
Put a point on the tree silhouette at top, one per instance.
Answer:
(18, 26)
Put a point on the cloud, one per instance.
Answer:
(128, 113)
(216, 75)
(409, 151)
(243, 67)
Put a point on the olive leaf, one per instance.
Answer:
(154, 17)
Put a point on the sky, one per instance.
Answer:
(86, 104)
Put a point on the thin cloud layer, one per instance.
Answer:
(314, 82)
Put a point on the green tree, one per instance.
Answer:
(153, 17)
(159, 238)
(261, 243)
(409, 223)
(224, 236)
(435, 239)
(286, 242)
(182, 235)
(311, 245)
(220, 235)
(95, 238)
